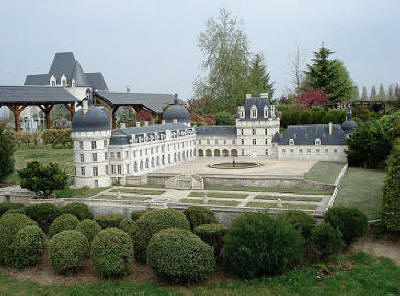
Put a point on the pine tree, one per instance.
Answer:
(364, 95)
(7, 149)
(390, 92)
(382, 94)
(356, 96)
(259, 79)
(372, 97)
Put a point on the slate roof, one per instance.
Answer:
(35, 94)
(216, 130)
(260, 103)
(306, 135)
(154, 102)
(64, 63)
(95, 119)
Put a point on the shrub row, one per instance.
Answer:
(294, 117)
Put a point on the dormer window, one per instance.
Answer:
(52, 80)
(273, 111)
(266, 112)
(291, 142)
(63, 80)
(253, 112)
(73, 83)
(317, 141)
(241, 112)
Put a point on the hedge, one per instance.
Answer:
(6, 206)
(295, 117)
(213, 235)
(54, 137)
(67, 251)
(137, 214)
(78, 209)
(152, 222)
(109, 220)
(29, 245)
(258, 245)
(197, 215)
(301, 221)
(326, 241)
(112, 252)
(129, 226)
(63, 223)
(179, 256)
(89, 228)
(43, 213)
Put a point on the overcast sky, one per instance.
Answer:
(152, 45)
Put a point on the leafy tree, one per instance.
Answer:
(364, 95)
(42, 179)
(382, 94)
(259, 79)
(7, 148)
(313, 97)
(224, 118)
(372, 97)
(329, 75)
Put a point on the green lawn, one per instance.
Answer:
(295, 198)
(78, 193)
(324, 171)
(110, 197)
(147, 186)
(228, 203)
(139, 191)
(191, 200)
(358, 274)
(361, 188)
(218, 194)
(267, 205)
(266, 189)
(197, 194)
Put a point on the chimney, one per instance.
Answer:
(175, 120)
(85, 105)
(330, 125)
(146, 123)
(248, 96)
(137, 123)
(163, 121)
(264, 95)
(122, 125)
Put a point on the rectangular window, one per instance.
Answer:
(291, 150)
(106, 169)
(326, 150)
(254, 141)
(81, 145)
(127, 168)
(242, 141)
(112, 155)
(233, 142)
(283, 150)
(105, 143)
(96, 183)
(266, 151)
(254, 131)
(126, 154)
(119, 169)
(82, 157)
(266, 141)
(82, 171)
(95, 171)
(242, 132)
(106, 156)
(94, 145)
(266, 131)
(113, 169)
(208, 142)
(300, 151)
(141, 153)
(242, 151)
(334, 150)
(94, 156)
(118, 155)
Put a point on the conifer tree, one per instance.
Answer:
(372, 97)
(382, 94)
(259, 79)
(7, 149)
(364, 95)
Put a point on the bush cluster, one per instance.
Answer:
(177, 255)
(63, 223)
(89, 228)
(152, 222)
(301, 221)
(257, 244)
(44, 214)
(16, 211)
(55, 137)
(197, 215)
(67, 251)
(213, 235)
(78, 209)
(137, 214)
(326, 241)
(112, 252)
(109, 220)
(6, 206)
(129, 226)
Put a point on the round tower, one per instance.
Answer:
(91, 132)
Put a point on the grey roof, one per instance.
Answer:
(64, 63)
(260, 103)
(178, 112)
(35, 94)
(306, 135)
(95, 119)
(349, 125)
(154, 102)
(216, 130)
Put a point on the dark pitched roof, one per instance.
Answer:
(154, 102)
(216, 130)
(97, 81)
(260, 103)
(306, 135)
(35, 94)
(63, 63)
(39, 79)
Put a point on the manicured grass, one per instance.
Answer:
(196, 194)
(228, 203)
(254, 204)
(294, 198)
(147, 186)
(78, 193)
(110, 197)
(139, 191)
(362, 188)
(226, 195)
(324, 171)
(265, 189)
(191, 200)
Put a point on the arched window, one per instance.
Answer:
(317, 141)
(52, 80)
(63, 80)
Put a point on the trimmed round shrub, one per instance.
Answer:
(301, 221)
(79, 210)
(257, 245)
(109, 220)
(128, 225)
(326, 241)
(16, 211)
(10, 224)
(112, 252)
(137, 214)
(67, 251)
(213, 235)
(152, 222)
(351, 222)
(177, 255)
(89, 228)
(6, 206)
(197, 215)
(44, 214)
(63, 223)
(29, 245)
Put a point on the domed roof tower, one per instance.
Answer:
(349, 125)
(176, 112)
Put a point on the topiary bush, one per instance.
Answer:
(177, 255)
(301, 221)
(257, 245)
(89, 228)
(213, 235)
(197, 215)
(129, 226)
(67, 251)
(137, 214)
(79, 210)
(10, 224)
(326, 241)
(29, 245)
(112, 252)
(44, 214)
(16, 211)
(6, 206)
(63, 223)
(152, 222)
(351, 222)
(109, 220)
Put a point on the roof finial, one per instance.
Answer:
(176, 99)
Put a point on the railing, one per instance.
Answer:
(337, 185)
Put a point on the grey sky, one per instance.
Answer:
(152, 45)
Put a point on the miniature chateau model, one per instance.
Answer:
(103, 156)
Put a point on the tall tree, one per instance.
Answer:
(381, 95)
(372, 97)
(7, 149)
(259, 80)
(225, 48)
(296, 72)
(330, 76)
(390, 92)
(364, 95)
